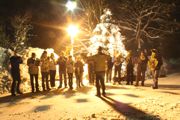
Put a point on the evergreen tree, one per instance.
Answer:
(108, 36)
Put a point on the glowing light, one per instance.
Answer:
(71, 5)
(72, 30)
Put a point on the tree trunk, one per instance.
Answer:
(138, 34)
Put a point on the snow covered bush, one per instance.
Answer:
(5, 77)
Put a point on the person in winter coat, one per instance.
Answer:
(15, 62)
(52, 68)
(33, 65)
(109, 70)
(70, 70)
(62, 69)
(45, 71)
(129, 69)
(117, 68)
(155, 63)
(91, 71)
(141, 68)
(100, 67)
(79, 72)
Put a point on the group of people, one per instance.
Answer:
(48, 66)
(100, 66)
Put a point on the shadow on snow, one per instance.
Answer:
(129, 111)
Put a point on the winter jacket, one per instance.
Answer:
(152, 63)
(130, 64)
(109, 64)
(52, 64)
(142, 63)
(118, 62)
(99, 62)
(160, 61)
(44, 64)
(79, 67)
(70, 66)
(62, 64)
(15, 61)
(33, 66)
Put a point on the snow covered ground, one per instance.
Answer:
(122, 102)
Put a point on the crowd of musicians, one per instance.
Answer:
(102, 68)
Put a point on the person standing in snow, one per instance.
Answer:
(15, 62)
(62, 69)
(100, 67)
(52, 69)
(70, 70)
(129, 69)
(33, 65)
(141, 68)
(155, 63)
(79, 72)
(91, 71)
(117, 68)
(45, 71)
(109, 69)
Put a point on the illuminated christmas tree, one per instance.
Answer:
(107, 35)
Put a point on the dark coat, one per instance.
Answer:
(62, 64)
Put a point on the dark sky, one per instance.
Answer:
(48, 16)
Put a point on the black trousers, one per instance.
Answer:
(140, 77)
(117, 71)
(130, 76)
(70, 78)
(155, 74)
(91, 77)
(108, 75)
(15, 87)
(32, 78)
(100, 82)
(45, 81)
(52, 77)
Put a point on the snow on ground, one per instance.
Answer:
(121, 103)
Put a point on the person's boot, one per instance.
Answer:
(38, 90)
(137, 84)
(142, 84)
(119, 81)
(98, 95)
(131, 82)
(44, 89)
(48, 88)
(13, 94)
(65, 85)
(156, 85)
(60, 86)
(19, 92)
(104, 93)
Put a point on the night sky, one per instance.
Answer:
(49, 16)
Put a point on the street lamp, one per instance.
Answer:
(71, 5)
(72, 31)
